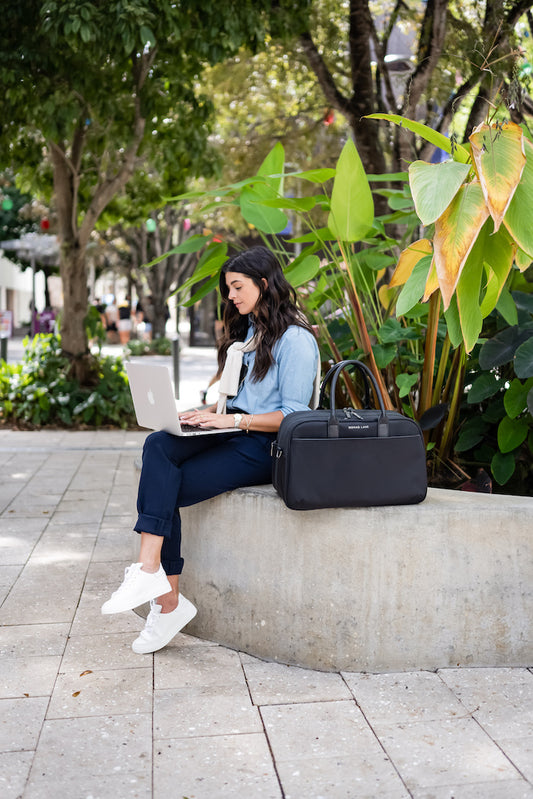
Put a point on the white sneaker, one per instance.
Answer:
(161, 628)
(138, 587)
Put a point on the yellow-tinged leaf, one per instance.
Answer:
(522, 259)
(408, 260)
(499, 159)
(455, 233)
(386, 296)
(432, 283)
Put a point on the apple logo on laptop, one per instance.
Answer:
(150, 396)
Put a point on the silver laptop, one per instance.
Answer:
(154, 402)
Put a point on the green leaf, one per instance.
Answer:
(453, 323)
(500, 349)
(511, 433)
(291, 203)
(434, 186)
(458, 152)
(472, 432)
(483, 387)
(414, 287)
(503, 466)
(506, 306)
(267, 220)
(530, 402)
(468, 289)
(147, 36)
(517, 219)
(352, 205)
(523, 359)
(392, 331)
(515, 399)
(202, 292)
(405, 383)
(383, 354)
(272, 168)
(314, 175)
(301, 272)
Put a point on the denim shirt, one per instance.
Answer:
(288, 384)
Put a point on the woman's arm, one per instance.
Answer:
(258, 422)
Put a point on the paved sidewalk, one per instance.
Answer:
(83, 717)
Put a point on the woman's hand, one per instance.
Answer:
(206, 417)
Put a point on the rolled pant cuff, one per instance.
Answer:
(172, 566)
(153, 525)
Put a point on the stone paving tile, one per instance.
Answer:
(500, 699)
(102, 652)
(327, 749)
(62, 543)
(22, 720)
(215, 767)
(100, 693)
(213, 710)
(316, 729)
(45, 593)
(520, 753)
(342, 777)
(106, 757)
(274, 684)
(446, 752)
(187, 667)
(14, 770)
(8, 576)
(18, 538)
(505, 789)
(411, 696)
(32, 640)
(33, 676)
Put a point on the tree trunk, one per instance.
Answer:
(73, 272)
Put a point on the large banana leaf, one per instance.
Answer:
(352, 205)
(498, 153)
(434, 186)
(517, 220)
(455, 233)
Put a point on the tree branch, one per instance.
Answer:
(332, 94)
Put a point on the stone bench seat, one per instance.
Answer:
(448, 582)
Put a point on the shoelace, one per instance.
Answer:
(151, 619)
(129, 573)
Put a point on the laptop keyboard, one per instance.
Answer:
(192, 428)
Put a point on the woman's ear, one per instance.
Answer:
(264, 282)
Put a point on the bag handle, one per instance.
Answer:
(333, 422)
(327, 379)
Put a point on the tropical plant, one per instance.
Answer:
(415, 331)
(476, 210)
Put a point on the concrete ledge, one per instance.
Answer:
(448, 582)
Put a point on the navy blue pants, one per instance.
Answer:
(178, 471)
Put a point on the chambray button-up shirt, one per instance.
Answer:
(288, 384)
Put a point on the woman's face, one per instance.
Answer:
(242, 292)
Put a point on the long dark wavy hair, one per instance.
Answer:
(276, 307)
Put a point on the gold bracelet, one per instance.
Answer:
(249, 423)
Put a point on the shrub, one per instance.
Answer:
(159, 346)
(39, 391)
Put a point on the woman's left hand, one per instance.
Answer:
(205, 418)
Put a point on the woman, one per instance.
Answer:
(268, 360)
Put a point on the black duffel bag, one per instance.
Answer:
(349, 458)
